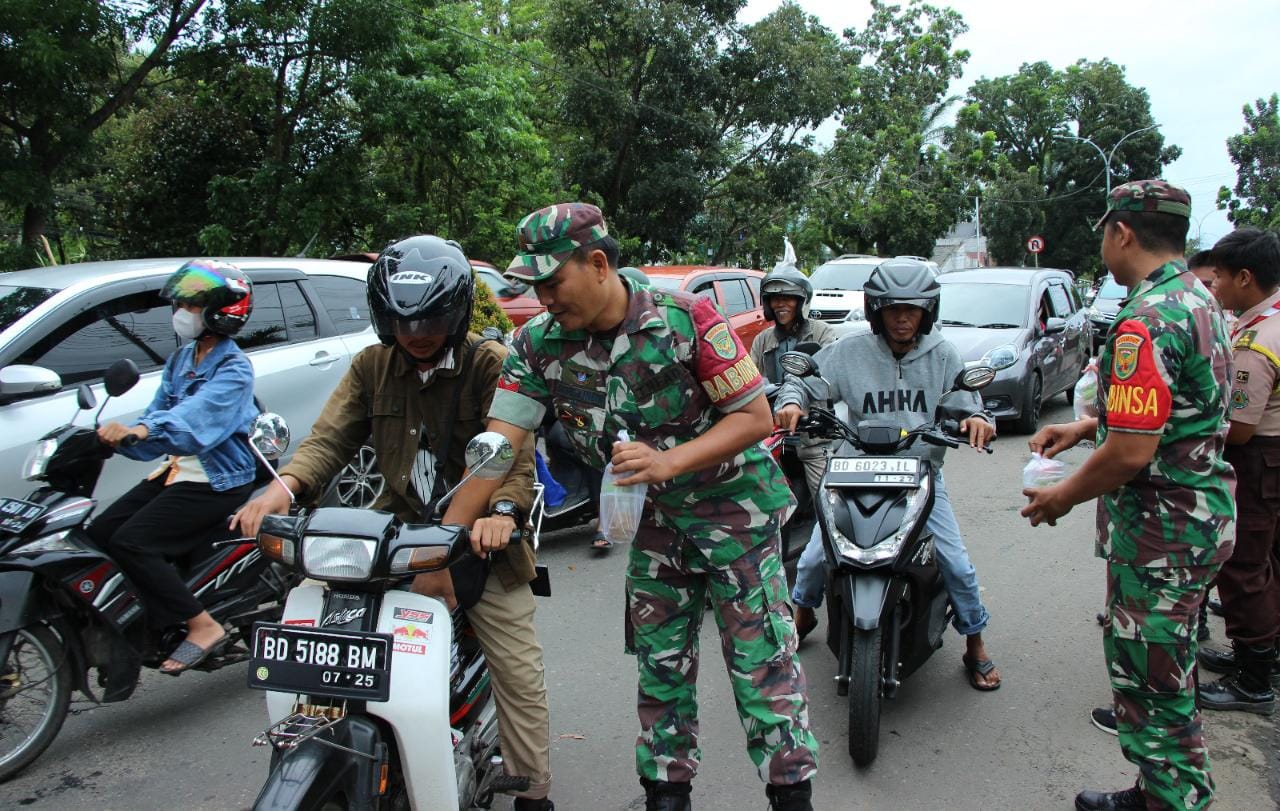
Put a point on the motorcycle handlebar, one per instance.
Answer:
(129, 441)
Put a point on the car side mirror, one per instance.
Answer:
(1055, 325)
(120, 377)
(20, 380)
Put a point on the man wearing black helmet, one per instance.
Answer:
(898, 372)
(421, 396)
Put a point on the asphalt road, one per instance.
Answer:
(185, 742)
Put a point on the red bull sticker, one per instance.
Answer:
(412, 615)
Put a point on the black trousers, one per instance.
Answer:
(153, 524)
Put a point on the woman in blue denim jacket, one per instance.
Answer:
(200, 421)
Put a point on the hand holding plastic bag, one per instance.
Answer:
(1085, 402)
(1042, 472)
(620, 507)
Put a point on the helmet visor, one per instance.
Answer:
(423, 327)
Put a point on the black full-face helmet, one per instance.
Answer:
(901, 281)
(221, 290)
(785, 280)
(421, 285)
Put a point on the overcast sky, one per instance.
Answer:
(1199, 62)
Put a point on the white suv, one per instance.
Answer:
(837, 290)
(310, 316)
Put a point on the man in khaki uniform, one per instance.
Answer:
(1247, 279)
(422, 395)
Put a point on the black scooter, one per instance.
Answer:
(66, 607)
(887, 606)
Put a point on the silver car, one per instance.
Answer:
(62, 326)
(1028, 324)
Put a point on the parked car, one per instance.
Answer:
(1028, 324)
(837, 289)
(736, 290)
(1104, 308)
(513, 297)
(310, 316)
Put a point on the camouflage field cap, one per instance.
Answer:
(1148, 195)
(549, 236)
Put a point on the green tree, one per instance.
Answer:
(68, 70)
(1256, 154)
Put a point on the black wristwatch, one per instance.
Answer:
(508, 508)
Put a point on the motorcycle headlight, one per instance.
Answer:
(38, 459)
(1002, 357)
(327, 557)
(57, 542)
(889, 548)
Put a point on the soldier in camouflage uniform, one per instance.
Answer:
(1165, 491)
(610, 355)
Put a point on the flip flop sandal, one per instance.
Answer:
(979, 667)
(189, 654)
(601, 544)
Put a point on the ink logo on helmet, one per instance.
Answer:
(411, 277)
(1126, 362)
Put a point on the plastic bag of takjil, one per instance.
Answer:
(1085, 398)
(1042, 472)
(620, 506)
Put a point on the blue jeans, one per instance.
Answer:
(958, 573)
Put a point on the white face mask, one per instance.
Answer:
(187, 324)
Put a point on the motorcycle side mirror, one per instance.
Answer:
(809, 347)
(120, 377)
(798, 363)
(975, 378)
(85, 398)
(269, 434)
(489, 455)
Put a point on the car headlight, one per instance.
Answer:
(857, 314)
(57, 542)
(38, 459)
(1002, 357)
(889, 548)
(327, 557)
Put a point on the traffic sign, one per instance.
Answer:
(1035, 244)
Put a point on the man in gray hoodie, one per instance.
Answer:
(899, 372)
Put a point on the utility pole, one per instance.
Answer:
(1106, 156)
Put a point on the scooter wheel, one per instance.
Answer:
(35, 685)
(866, 693)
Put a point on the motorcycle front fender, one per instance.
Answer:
(314, 772)
(867, 597)
(18, 599)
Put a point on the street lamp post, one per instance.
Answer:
(1107, 156)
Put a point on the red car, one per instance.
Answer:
(515, 298)
(736, 290)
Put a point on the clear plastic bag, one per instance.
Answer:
(1085, 399)
(620, 507)
(1042, 472)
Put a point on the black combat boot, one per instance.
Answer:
(526, 804)
(1248, 688)
(1224, 661)
(1130, 799)
(659, 795)
(793, 797)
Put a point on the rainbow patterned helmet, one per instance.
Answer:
(222, 291)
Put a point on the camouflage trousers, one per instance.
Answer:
(666, 596)
(1150, 643)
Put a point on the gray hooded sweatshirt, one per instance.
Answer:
(875, 385)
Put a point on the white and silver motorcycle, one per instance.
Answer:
(379, 698)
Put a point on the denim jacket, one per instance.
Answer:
(205, 412)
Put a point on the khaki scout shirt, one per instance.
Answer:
(381, 396)
(1255, 393)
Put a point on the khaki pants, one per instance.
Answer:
(504, 625)
(814, 458)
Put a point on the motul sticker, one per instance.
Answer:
(412, 615)
(308, 623)
(409, 647)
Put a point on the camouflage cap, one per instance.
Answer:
(549, 236)
(1148, 195)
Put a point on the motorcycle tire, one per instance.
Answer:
(866, 694)
(37, 656)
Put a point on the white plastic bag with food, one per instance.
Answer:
(1085, 398)
(620, 507)
(1042, 472)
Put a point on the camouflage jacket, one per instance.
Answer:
(673, 369)
(1166, 370)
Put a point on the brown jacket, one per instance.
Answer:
(381, 397)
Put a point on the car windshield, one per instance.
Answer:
(841, 276)
(665, 282)
(992, 306)
(1111, 289)
(16, 302)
